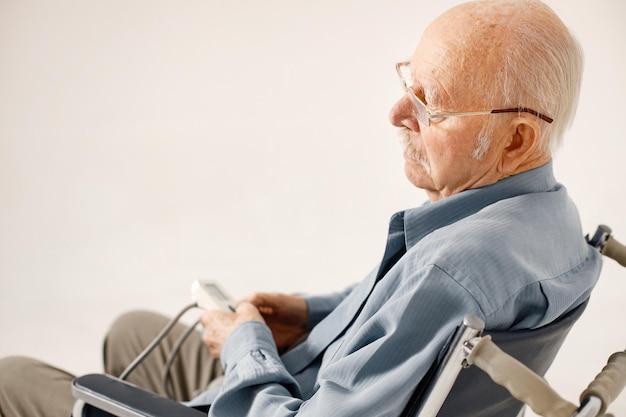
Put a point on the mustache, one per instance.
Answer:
(411, 151)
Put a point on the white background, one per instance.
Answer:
(144, 144)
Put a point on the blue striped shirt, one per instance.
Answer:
(511, 253)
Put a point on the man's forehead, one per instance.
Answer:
(432, 73)
(451, 58)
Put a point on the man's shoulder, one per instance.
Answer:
(514, 251)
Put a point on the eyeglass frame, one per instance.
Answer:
(424, 115)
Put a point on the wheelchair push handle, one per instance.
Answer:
(615, 250)
(605, 242)
(609, 383)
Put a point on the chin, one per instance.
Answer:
(417, 175)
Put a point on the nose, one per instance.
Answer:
(402, 114)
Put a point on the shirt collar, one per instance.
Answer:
(420, 221)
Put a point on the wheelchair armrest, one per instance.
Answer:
(122, 398)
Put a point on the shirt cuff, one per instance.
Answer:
(247, 337)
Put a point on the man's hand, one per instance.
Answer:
(219, 324)
(286, 316)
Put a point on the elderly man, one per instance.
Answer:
(489, 92)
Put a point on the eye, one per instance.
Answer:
(418, 92)
(436, 120)
(428, 97)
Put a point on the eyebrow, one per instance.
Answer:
(430, 95)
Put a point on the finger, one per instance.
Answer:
(264, 302)
(256, 299)
(205, 318)
(246, 308)
(210, 318)
(265, 310)
(247, 311)
(214, 350)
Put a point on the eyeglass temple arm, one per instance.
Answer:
(525, 110)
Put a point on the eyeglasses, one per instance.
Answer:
(424, 115)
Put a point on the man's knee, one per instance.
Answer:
(136, 322)
(129, 334)
(30, 387)
(15, 373)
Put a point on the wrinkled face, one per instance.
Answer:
(440, 158)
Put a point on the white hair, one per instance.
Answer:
(542, 66)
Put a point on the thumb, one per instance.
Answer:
(247, 311)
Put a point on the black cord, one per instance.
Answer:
(170, 358)
(155, 342)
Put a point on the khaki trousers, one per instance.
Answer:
(31, 388)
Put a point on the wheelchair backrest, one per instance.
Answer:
(475, 394)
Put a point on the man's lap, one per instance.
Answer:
(30, 387)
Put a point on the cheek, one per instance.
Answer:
(438, 154)
(448, 159)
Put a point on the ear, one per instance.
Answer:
(522, 146)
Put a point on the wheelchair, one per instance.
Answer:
(475, 375)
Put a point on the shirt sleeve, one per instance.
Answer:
(373, 371)
(319, 306)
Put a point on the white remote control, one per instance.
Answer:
(210, 296)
